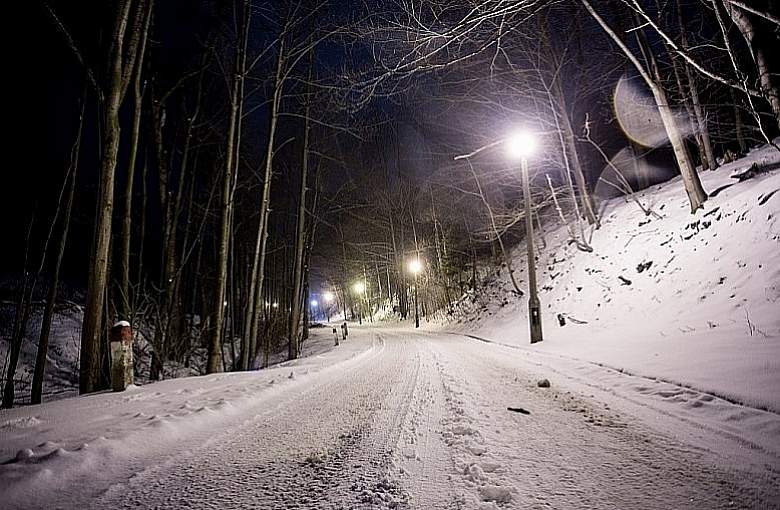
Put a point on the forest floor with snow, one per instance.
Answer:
(664, 392)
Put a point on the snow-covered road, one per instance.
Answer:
(392, 418)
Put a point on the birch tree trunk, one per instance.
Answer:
(295, 315)
(738, 123)
(745, 26)
(691, 181)
(48, 314)
(21, 317)
(265, 204)
(121, 62)
(698, 109)
(214, 363)
(127, 210)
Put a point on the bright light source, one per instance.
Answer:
(329, 297)
(313, 303)
(275, 305)
(415, 266)
(520, 145)
(359, 287)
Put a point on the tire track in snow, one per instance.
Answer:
(424, 463)
(329, 446)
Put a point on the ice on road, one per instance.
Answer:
(392, 418)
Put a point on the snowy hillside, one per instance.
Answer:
(693, 299)
(62, 360)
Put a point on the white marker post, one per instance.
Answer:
(121, 356)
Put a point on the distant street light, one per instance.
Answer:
(520, 146)
(313, 308)
(359, 288)
(329, 297)
(415, 267)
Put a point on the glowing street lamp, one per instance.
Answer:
(313, 308)
(415, 267)
(519, 146)
(359, 288)
(328, 297)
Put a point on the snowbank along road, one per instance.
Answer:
(392, 418)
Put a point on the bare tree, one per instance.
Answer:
(739, 16)
(123, 259)
(123, 50)
(236, 99)
(651, 75)
(51, 299)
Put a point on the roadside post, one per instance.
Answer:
(121, 356)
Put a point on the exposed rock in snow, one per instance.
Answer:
(495, 493)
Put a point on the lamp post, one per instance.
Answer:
(519, 146)
(359, 289)
(415, 266)
(313, 311)
(328, 303)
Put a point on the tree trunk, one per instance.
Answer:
(142, 219)
(127, 210)
(300, 240)
(745, 25)
(738, 123)
(20, 325)
(691, 181)
(121, 62)
(265, 203)
(306, 310)
(48, 314)
(91, 331)
(214, 362)
(166, 263)
(295, 315)
(698, 110)
(236, 101)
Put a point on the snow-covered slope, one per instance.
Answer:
(693, 299)
(62, 361)
(61, 377)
